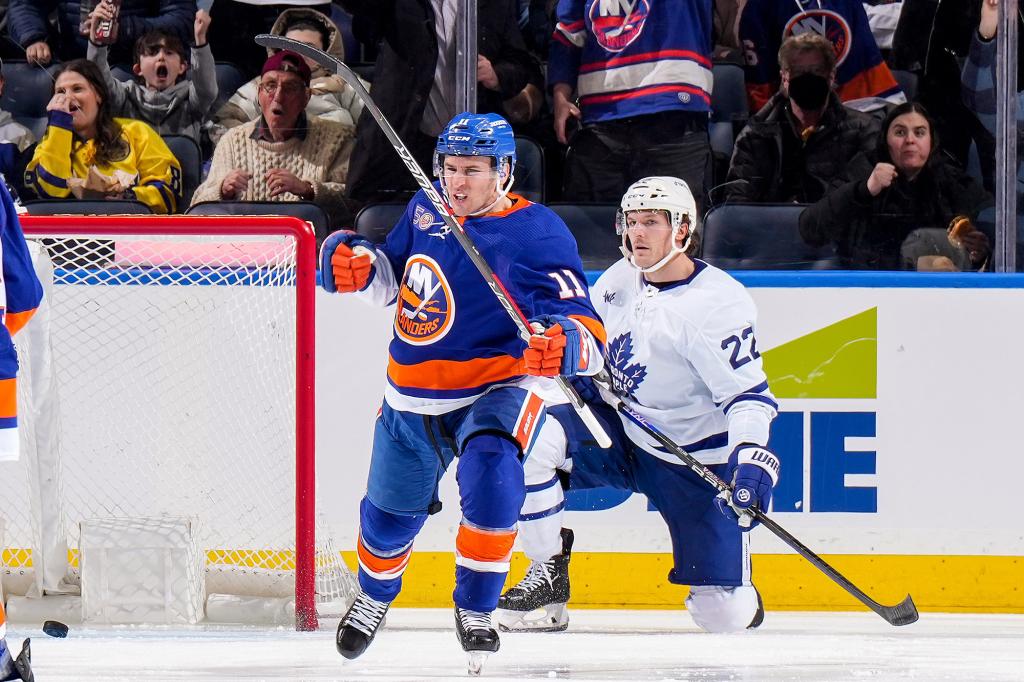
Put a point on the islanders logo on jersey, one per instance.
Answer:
(426, 308)
(825, 23)
(626, 375)
(616, 24)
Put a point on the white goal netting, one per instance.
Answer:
(158, 380)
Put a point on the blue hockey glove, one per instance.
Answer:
(346, 262)
(556, 347)
(753, 471)
(587, 389)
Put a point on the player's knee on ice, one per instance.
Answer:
(722, 609)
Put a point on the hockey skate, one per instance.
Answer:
(359, 625)
(538, 602)
(477, 636)
(21, 667)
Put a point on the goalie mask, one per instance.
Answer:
(484, 135)
(658, 193)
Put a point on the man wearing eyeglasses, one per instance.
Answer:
(283, 155)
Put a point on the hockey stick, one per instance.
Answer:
(341, 69)
(903, 613)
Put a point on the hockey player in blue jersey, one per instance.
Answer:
(461, 383)
(682, 353)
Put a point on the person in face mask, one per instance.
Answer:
(797, 146)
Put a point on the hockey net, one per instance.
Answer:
(169, 374)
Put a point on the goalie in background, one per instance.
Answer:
(681, 352)
(20, 294)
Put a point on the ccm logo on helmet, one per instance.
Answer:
(426, 309)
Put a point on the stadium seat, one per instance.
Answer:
(593, 226)
(87, 207)
(187, 152)
(761, 237)
(728, 106)
(907, 81)
(28, 89)
(305, 210)
(529, 174)
(229, 79)
(376, 220)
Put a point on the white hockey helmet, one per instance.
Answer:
(659, 193)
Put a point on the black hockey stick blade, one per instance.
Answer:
(903, 613)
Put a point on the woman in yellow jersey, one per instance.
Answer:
(82, 133)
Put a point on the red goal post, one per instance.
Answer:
(244, 262)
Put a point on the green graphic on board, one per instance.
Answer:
(837, 361)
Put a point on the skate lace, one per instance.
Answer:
(366, 614)
(474, 620)
(539, 573)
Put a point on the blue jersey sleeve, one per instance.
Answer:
(23, 290)
(546, 278)
(567, 41)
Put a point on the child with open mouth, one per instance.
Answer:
(162, 95)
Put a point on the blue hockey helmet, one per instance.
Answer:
(477, 135)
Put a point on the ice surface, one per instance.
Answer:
(420, 644)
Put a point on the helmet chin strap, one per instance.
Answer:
(672, 252)
(502, 193)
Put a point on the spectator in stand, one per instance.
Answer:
(863, 80)
(116, 158)
(284, 155)
(979, 91)
(235, 22)
(932, 40)
(29, 26)
(14, 140)
(725, 20)
(643, 83)
(798, 146)
(414, 82)
(979, 82)
(331, 98)
(166, 98)
(904, 185)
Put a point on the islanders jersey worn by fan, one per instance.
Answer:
(633, 57)
(863, 80)
(452, 338)
(20, 294)
(685, 357)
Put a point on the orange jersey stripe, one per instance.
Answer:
(528, 418)
(15, 321)
(870, 83)
(485, 545)
(8, 398)
(453, 374)
(395, 564)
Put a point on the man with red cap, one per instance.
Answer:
(283, 155)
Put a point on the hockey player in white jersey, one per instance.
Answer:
(682, 353)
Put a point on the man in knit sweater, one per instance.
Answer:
(283, 155)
